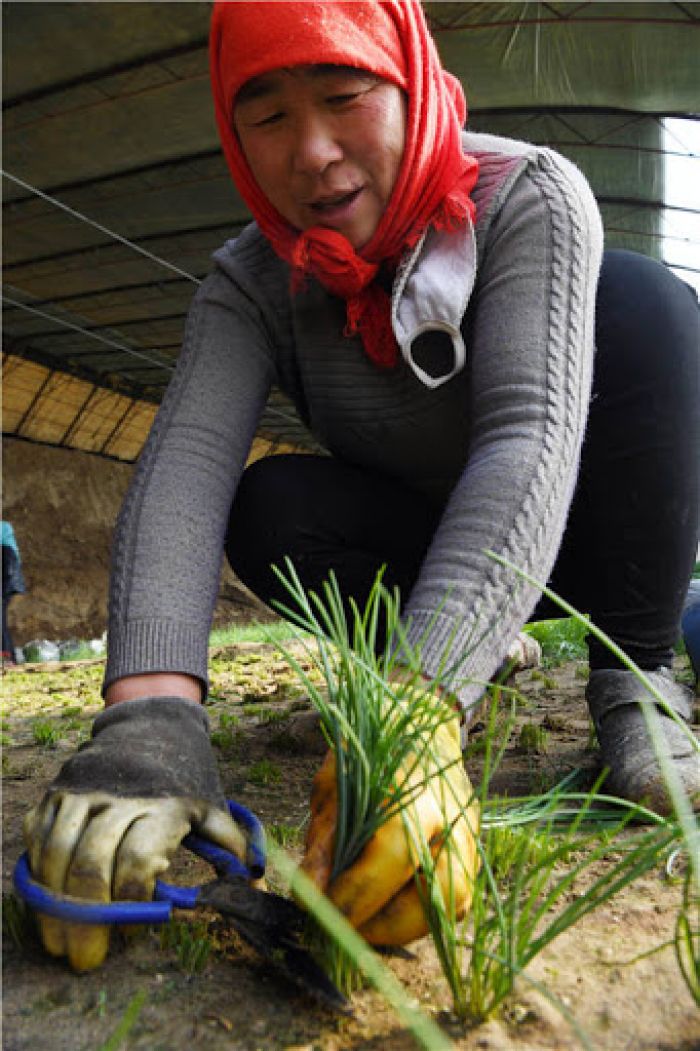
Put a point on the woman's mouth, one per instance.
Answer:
(335, 207)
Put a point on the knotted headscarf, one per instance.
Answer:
(390, 39)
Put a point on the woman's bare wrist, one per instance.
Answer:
(154, 684)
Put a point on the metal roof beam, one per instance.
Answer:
(73, 426)
(635, 202)
(101, 246)
(111, 382)
(527, 111)
(101, 74)
(38, 395)
(163, 284)
(114, 433)
(83, 331)
(126, 173)
(439, 26)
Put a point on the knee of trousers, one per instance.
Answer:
(263, 524)
(641, 303)
(647, 334)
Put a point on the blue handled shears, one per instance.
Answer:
(167, 896)
(272, 925)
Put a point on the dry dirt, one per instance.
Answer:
(63, 505)
(621, 998)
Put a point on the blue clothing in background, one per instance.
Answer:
(690, 623)
(12, 584)
(12, 576)
(8, 539)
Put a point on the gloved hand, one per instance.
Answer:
(378, 892)
(114, 816)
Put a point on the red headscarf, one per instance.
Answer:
(389, 38)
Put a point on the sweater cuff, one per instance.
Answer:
(459, 655)
(145, 647)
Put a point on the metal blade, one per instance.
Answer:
(234, 897)
(272, 926)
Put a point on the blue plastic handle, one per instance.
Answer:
(166, 895)
(78, 910)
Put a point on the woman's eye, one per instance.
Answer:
(340, 100)
(267, 120)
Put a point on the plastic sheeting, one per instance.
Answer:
(638, 57)
(106, 107)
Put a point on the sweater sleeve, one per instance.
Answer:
(529, 335)
(168, 543)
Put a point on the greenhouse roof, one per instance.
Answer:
(115, 192)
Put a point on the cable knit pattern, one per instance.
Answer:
(472, 630)
(497, 446)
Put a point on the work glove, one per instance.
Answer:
(378, 893)
(112, 819)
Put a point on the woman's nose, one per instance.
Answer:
(315, 145)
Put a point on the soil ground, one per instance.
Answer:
(63, 505)
(620, 997)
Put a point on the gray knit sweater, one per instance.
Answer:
(496, 436)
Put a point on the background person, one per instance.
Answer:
(428, 300)
(12, 584)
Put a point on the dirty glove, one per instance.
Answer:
(378, 892)
(111, 821)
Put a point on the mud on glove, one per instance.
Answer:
(110, 822)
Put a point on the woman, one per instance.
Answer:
(427, 300)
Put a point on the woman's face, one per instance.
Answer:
(324, 144)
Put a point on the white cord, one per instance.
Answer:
(100, 227)
(86, 332)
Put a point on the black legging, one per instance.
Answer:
(632, 531)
